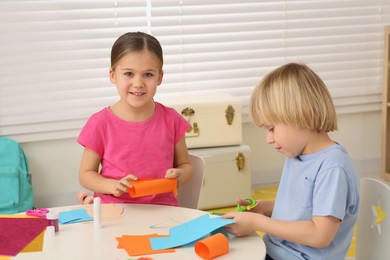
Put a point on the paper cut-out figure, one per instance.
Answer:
(378, 216)
(189, 232)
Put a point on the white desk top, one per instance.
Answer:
(83, 241)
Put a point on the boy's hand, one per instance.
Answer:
(256, 209)
(243, 225)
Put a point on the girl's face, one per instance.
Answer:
(288, 140)
(137, 76)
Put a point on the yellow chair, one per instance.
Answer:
(373, 225)
(189, 192)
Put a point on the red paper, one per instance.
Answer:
(17, 233)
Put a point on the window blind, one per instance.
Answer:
(54, 55)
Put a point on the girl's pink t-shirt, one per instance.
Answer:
(144, 149)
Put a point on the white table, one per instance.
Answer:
(83, 241)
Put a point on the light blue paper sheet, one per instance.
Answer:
(189, 232)
(74, 216)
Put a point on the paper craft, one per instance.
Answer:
(109, 211)
(189, 232)
(212, 246)
(145, 187)
(139, 245)
(74, 216)
(17, 233)
(15, 216)
(36, 245)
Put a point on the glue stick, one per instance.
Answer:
(97, 213)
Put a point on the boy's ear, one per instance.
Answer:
(112, 76)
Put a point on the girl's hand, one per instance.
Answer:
(174, 173)
(123, 185)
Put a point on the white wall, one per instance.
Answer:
(54, 164)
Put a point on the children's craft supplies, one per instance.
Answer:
(97, 213)
(50, 231)
(52, 218)
(212, 246)
(39, 212)
(145, 187)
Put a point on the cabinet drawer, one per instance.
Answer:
(227, 175)
(215, 120)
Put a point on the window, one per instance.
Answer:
(55, 54)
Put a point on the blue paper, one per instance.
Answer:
(74, 216)
(189, 232)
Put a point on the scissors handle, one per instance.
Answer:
(39, 212)
(253, 204)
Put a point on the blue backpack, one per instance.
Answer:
(16, 192)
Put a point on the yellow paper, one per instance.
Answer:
(36, 245)
(16, 216)
(381, 214)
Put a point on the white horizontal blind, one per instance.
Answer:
(54, 65)
(54, 55)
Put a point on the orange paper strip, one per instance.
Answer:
(145, 187)
(212, 246)
(139, 245)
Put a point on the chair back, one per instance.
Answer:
(189, 192)
(373, 224)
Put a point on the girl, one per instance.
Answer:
(317, 203)
(135, 137)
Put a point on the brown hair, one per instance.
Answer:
(134, 42)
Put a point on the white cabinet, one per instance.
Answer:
(227, 175)
(215, 120)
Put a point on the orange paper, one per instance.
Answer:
(139, 245)
(212, 246)
(145, 187)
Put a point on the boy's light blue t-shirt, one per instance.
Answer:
(320, 184)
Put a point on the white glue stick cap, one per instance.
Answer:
(50, 231)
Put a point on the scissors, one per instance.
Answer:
(250, 206)
(39, 212)
(240, 208)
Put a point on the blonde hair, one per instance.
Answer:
(294, 95)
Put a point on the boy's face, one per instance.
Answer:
(288, 140)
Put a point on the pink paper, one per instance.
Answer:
(17, 233)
